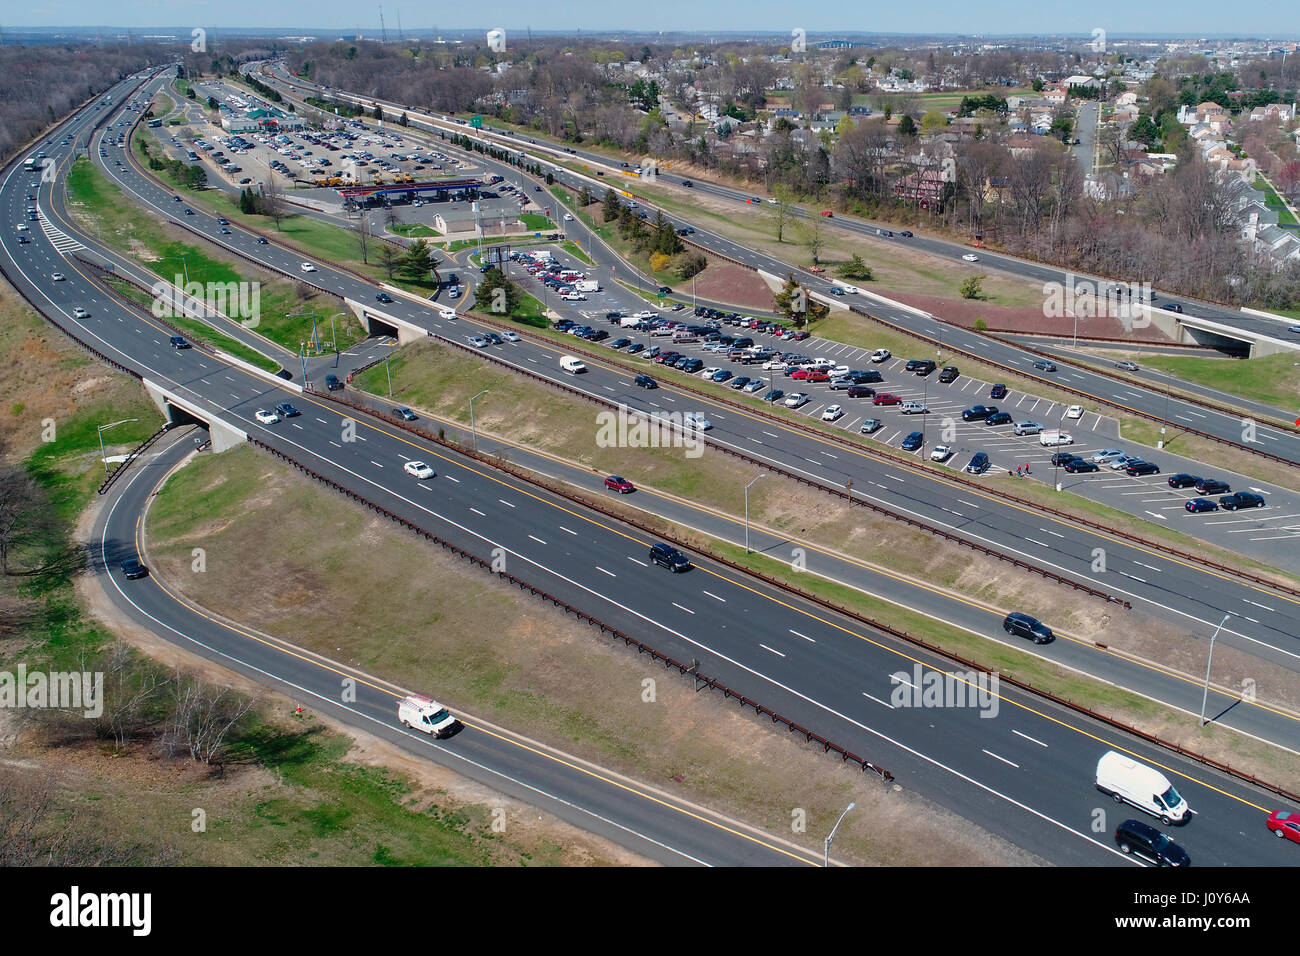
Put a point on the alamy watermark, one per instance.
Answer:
(927, 687)
(625, 428)
(1128, 302)
(235, 300)
(56, 690)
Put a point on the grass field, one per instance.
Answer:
(1272, 379)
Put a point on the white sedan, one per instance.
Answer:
(1074, 411)
(1107, 454)
(832, 412)
(941, 453)
(418, 469)
(265, 417)
(80, 313)
(308, 267)
(510, 336)
(57, 277)
(971, 257)
(568, 218)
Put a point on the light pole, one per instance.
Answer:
(388, 369)
(473, 430)
(302, 355)
(333, 340)
(1206, 695)
(100, 429)
(826, 855)
(747, 487)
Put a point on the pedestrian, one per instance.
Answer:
(1019, 469)
(1026, 468)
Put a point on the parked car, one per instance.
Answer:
(913, 441)
(1241, 499)
(978, 464)
(949, 374)
(1141, 468)
(880, 355)
(941, 453)
(998, 391)
(885, 398)
(1198, 505)
(1079, 466)
(774, 395)
(1027, 428)
(1062, 458)
(796, 400)
(999, 418)
(832, 413)
(978, 412)
(1106, 455)
(1074, 411)
(1183, 480)
(1212, 486)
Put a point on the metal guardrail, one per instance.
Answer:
(130, 458)
(828, 746)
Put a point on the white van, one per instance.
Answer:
(421, 713)
(1141, 786)
(685, 337)
(629, 322)
(572, 365)
(1051, 438)
(587, 285)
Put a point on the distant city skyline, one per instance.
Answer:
(329, 18)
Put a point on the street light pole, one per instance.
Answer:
(1206, 695)
(747, 487)
(473, 429)
(826, 855)
(388, 369)
(103, 457)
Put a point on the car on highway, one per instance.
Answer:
(971, 257)
(1026, 428)
(906, 234)
(266, 417)
(478, 341)
(307, 267)
(978, 464)
(1137, 468)
(913, 441)
(383, 297)
(941, 453)
(880, 355)
(1183, 480)
(949, 374)
(1213, 486)
(262, 240)
(1173, 307)
(1241, 499)
(1127, 366)
(418, 469)
(1142, 839)
(1079, 466)
(645, 381)
(666, 556)
(999, 418)
(133, 569)
(225, 231)
(178, 342)
(1284, 824)
(80, 313)
(286, 410)
(57, 277)
(405, 414)
(796, 400)
(1019, 624)
(978, 412)
(1107, 455)
(1043, 366)
(697, 421)
(620, 484)
(832, 413)
(510, 336)
(1198, 505)
(998, 391)
(885, 398)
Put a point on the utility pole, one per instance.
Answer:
(1206, 695)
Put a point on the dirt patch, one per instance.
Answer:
(727, 282)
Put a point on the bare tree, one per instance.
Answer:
(361, 232)
(273, 200)
(202, 716)
(128, 689)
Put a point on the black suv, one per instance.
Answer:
(1063, 458)
(332, 383)
(1022, 625)
(666, 556)
(1134, 836)
(1183, 480)
(645, 381)
(1212, 486)
(977, 412)
(925, 367)
(949, 374)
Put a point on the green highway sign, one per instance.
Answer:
(476, 122)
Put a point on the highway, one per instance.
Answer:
(1179, 590)
(1118, 391)
(1024, 774)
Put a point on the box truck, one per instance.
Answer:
(421, 713)
(1141, 786)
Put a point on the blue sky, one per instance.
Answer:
(1165, 17)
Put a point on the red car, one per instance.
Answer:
(818, 375)
(884, 398)
(1285, 824)
(828, 214)
(619, 484)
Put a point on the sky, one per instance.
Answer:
(1183, 18)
